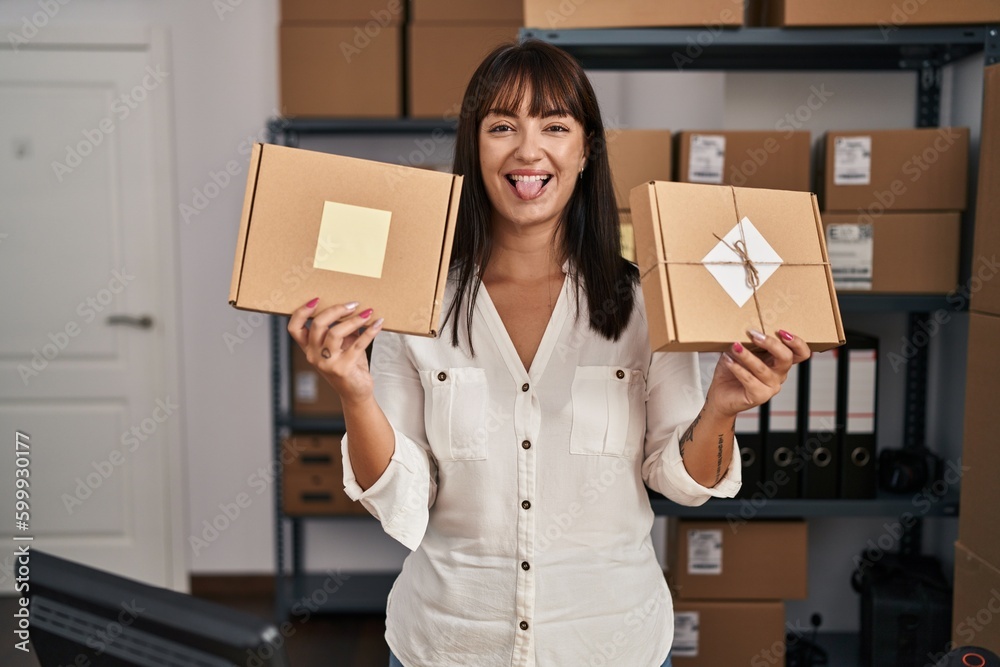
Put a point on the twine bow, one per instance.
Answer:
(740, 248)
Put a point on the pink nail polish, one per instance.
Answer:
(785, 335)
(737, 348)
(312, 303)
(365, 314)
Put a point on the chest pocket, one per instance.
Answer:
(455, 403)
(609, 412)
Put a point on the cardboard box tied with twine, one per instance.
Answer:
(718, 260)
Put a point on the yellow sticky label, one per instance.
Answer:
(352, 239)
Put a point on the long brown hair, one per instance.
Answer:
(592, 237)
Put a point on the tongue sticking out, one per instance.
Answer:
(528, 189)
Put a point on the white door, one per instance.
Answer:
(88, 352)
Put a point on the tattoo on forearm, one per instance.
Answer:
(718, 462)
(688, 435)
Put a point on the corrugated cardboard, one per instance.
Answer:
(466, 11)
(754, 159)
(332, 70)
(729, 634)
(687, 309)
(986, 249)
(288, 190)
(976, 608)
(738, 561)
(912, 253)
(637, 157)
(911, 170)
(313, 476)
(628, 236)
(562, 14)
(344, 11)
(312, 395)
(442, 59)
(888, 14)
(977, 522)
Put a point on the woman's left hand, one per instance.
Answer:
(746, 378)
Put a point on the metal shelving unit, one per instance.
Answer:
(923, 50)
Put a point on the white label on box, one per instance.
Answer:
(305, 386)
(725, 264)
(852, 161)
(823, 391)
(704, 551)
(685, 635)
(706, 158)
(861, 397)
(352, 239)
(784, 404)
(851, 248)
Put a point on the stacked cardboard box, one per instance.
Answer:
(977, 552)
(447, 41)
(750, 159)
(892, 203)
(636, 157)
(561, 14)
(729, 584)
(341, 58)
(887, 14)
(313, 476)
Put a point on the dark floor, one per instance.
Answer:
(323, 641)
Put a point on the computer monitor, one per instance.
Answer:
(83, 616)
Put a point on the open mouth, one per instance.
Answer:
(528, 186)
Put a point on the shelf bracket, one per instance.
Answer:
(928, 95)
(992, 47)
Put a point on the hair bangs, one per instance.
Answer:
(548, 85)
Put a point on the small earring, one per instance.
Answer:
(581, 174)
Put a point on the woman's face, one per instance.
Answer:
(530, 165)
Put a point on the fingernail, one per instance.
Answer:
(727, 358)
(737, 348)
(365, 314)
(784, 334)
(312, 303)
(756, 335)
(351, 306)
(377, 323)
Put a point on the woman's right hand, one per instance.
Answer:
(334, 346)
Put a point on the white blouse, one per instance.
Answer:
(520, 494)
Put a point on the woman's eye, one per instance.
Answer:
(558, 128)
(500, 128)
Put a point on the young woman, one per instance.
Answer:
(510, 453)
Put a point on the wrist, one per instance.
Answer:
(715, 411)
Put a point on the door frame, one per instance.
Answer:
(155, 41)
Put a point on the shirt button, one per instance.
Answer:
(524, 387)
(524, 565)
(525, 504)
(524, 625)
(442, 376)
(620, 374)
(526, 444)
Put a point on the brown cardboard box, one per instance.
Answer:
(977, 601)
(442, 59)
(888, 14)
(714, 560)
(678, 226)
(986, 249)
(895, 170)
(725, 634)
(341, 70)
(894, 253)
(977, 522)
(345, 229)
(751, 159)
(313, 476)
(560, 14)
(344, 11)
(466, 11)
(628, 236)
(637, 157)
(312, 395)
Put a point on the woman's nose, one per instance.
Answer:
(528, 148)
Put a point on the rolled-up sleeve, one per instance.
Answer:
(674, 397)
(402, 496)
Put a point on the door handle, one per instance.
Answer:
(144, 322)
